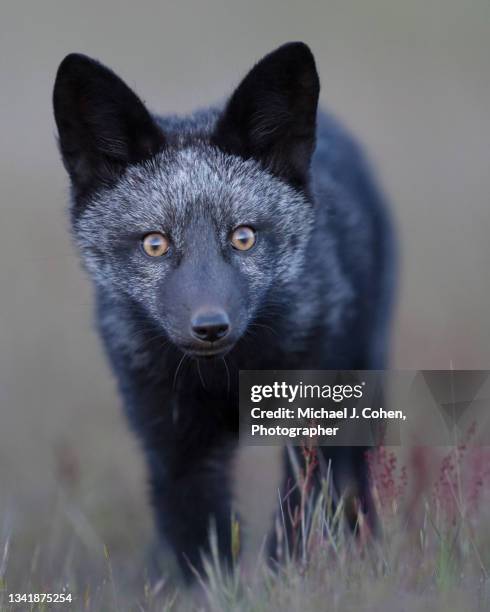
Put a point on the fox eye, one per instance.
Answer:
(155, 244)
(243, 238)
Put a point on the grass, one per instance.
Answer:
(432, 552)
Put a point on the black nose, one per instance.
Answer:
(210, 325)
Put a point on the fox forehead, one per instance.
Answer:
(178, 185)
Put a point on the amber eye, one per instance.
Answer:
(155, 244)
(243, 238)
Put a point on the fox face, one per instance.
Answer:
(195, 222)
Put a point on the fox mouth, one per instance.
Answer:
(208, 352)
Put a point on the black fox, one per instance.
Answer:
(249, 236)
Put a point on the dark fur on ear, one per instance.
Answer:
(103, 126)
(271, 116)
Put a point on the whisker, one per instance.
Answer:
(177, 369)
(200, 374)
(268, 327)
(227, 376)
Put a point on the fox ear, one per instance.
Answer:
(103, 126)
(271, 116)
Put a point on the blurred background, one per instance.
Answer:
(410, 79)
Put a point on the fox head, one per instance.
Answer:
(196, 222)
